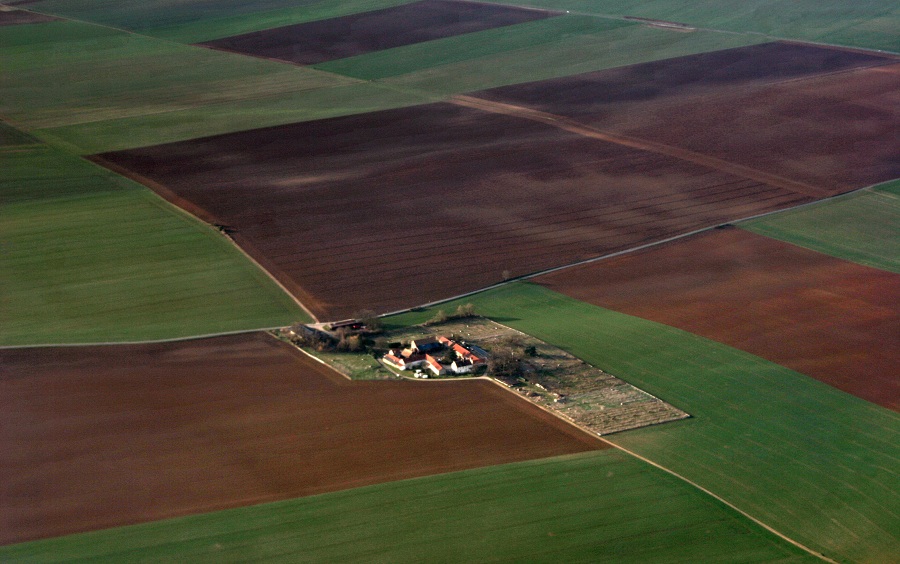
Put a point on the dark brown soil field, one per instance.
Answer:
(336, 38)
(20, 17)
(824, 116)
(94, 437)
(397, 208)
(827, 318)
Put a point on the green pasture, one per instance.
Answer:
(596, 507)
(871, 24)
(88, 256)
(178, 125)
(817, 464)
(863, 227)
(193, 21)
(420, 56)
(548, 49)
(11, 137)
(72, 75)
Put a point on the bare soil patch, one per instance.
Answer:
(833, 320)
(819, 115)
(393, 209)
(9, 16)
(346, 36)
(94, 437)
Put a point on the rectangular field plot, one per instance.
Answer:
(819, 116)
(336, 38)
(94, 437)
(863, 227)
(598, 507)
(397, 208)
(831, 319)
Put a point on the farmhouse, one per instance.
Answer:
(426, 344)
(466, 359)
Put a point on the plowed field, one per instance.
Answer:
(94, 437)
(336, 38)
(397, 208)
(20, 17)
(827, 318)
(823, 116)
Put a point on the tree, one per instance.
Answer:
(370, 319)
(449, 356)
(464, 310)
(439, 317)
(504, 362)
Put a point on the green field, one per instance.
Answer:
(122, 74)
(596, 507)
(10, 136)
(140, 91)
(193, 21)
(88, 256)
(132, 90)
(549, 49)
(817, 464)
(178, 125)
(871, 24)
(863, 227)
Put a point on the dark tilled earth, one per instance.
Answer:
(95, 437)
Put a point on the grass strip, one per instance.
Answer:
(863, 227)
(817, 464)
(88, 256)
(599, 507)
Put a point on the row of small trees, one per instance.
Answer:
(463, 311)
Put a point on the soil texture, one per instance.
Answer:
(397, 208)
(830, 319)
(100, 436)
(819, 115)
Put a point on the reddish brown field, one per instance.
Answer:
(397, 208)
(826, 117)
(95, 437)
(20, 17)
(831, 319)
(356, 34)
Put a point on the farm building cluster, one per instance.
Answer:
(440, 355)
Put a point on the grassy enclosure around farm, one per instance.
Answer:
(863, 227)
(598, 507)
(89, 256)
(815, 463)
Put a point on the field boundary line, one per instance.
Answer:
(585, 130)
(615, 254)
(603, 439)
(144, 342)
(720, 499)
(188, 209)
(698, 27)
